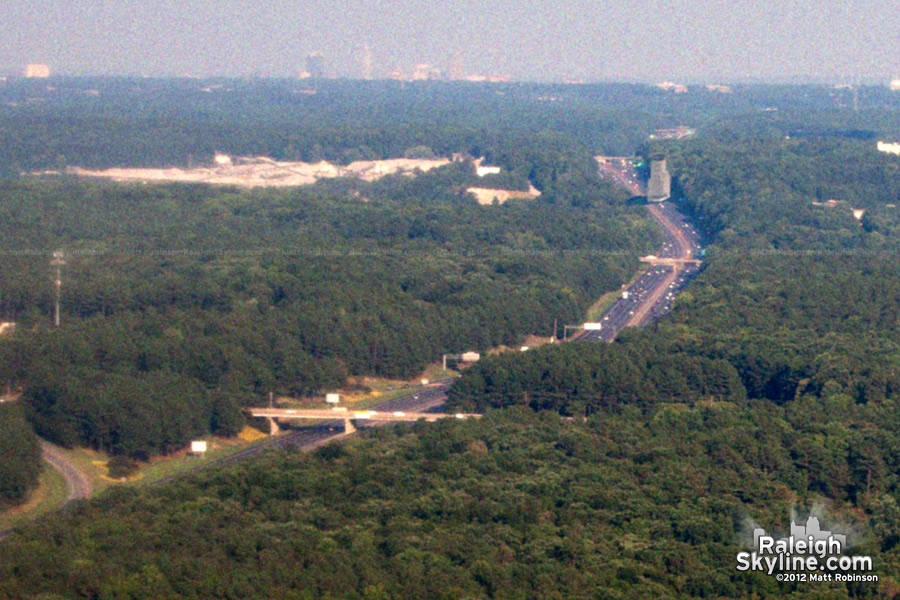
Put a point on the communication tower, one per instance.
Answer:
(58, 261)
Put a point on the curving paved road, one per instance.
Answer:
(78, 486)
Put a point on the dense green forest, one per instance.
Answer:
(20, 465)
(205, 299)
(517, 505)
(146, 122)
(634, 469)
(107, 122)
(796, 310)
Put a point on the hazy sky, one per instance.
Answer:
(690, 40)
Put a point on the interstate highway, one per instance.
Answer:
(429, 399)
(651, 295)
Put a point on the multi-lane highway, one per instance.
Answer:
(620, 170)
(429, 399)
(651, 295)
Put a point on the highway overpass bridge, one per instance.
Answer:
(347, 416)
(653, 260)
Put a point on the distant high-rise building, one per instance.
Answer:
(421, 71)
(37, 71)
(669, 86)
(367, 62)
(660, 187)
(316, 65)
(455, 69)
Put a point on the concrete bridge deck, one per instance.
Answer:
(369, 415)
(670, 261)
(351, 415)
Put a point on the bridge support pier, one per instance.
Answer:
(348, 426)
(274, 429)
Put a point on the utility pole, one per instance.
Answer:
(58, 261)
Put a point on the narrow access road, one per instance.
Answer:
(78, 486)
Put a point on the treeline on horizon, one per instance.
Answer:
(162, 123)
(145, 122)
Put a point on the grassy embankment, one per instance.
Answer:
(49, 493)
(599, 307)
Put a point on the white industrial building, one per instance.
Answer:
(660, 187)
(889, 147)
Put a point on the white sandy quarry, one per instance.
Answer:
(265, 172)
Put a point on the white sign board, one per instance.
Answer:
(592, 326)
(198, 447)
(332, 398)
(470, 356)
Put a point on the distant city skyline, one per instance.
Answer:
(689, 41)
